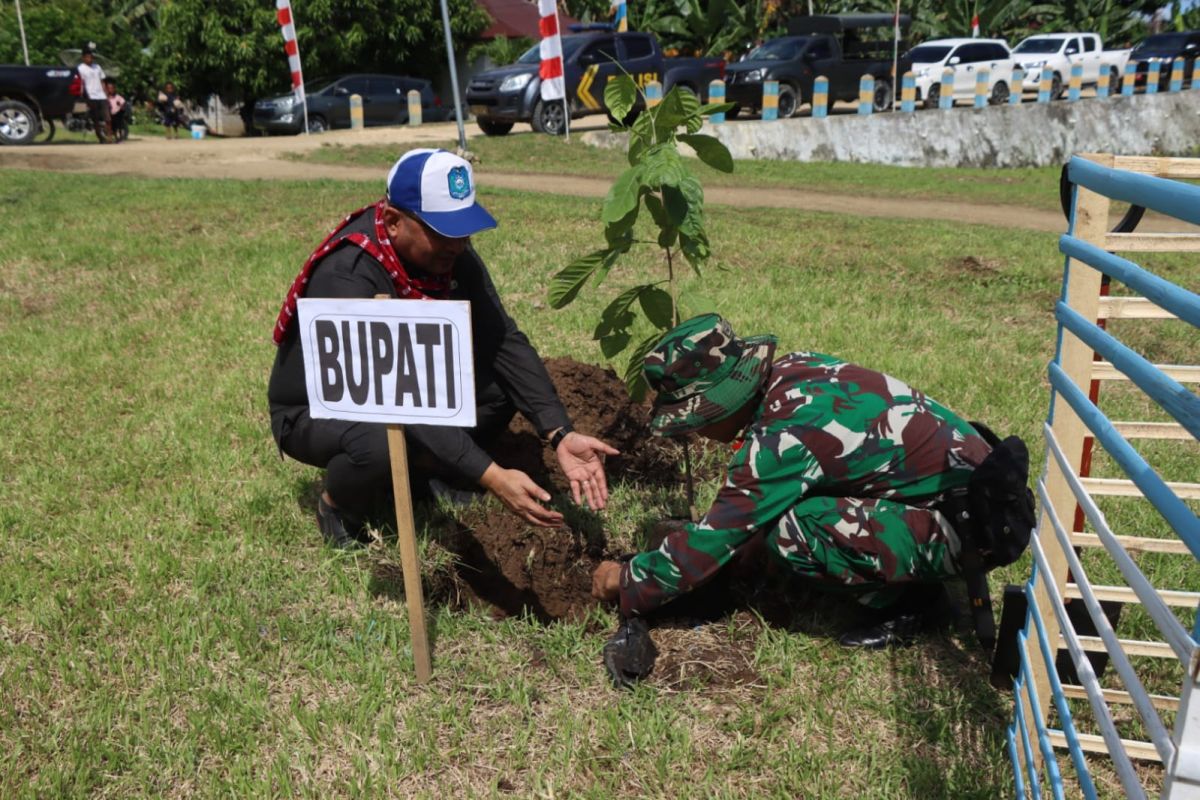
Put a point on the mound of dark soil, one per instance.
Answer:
(596, 400)
(513, 568)
(503, 563)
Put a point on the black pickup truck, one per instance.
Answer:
(31, 96)
(501, 97)
(841, 47)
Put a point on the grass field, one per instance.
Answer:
(172, 626)
(537, 153)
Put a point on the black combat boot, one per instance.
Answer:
(923, 607)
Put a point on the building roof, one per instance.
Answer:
(513, 18)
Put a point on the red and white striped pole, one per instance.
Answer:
(292, 49)
(551, 69)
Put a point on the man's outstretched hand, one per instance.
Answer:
(521, 495)
(582, 461)
(606, 581)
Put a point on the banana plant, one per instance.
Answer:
(658, 179)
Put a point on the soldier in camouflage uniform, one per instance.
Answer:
(838, 465)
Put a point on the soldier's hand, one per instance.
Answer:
(521, 495)
(606, 581)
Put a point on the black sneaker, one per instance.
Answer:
(334, 528)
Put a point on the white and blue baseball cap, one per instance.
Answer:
(438, 188)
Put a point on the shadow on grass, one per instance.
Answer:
(950, 717)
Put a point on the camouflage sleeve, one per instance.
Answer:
(766, 477)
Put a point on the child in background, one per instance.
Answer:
(170, 109)
(118, 110)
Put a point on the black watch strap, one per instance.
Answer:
(559, 435)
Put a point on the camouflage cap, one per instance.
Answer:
(703, 373)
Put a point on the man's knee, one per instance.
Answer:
(787, 542)
(366, 447)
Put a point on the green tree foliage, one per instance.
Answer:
(233, 48)
(703, 27)
(501, 50)
(659, 180)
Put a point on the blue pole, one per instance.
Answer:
(866, 95)
(820, 101)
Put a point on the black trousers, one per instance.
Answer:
(354, 455)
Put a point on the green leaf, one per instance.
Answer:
(709, 109)
(662, 165)
(567, 283)
(673, 111)
(619, 96)
(617, 315)
(635, 374)
(609, 259)
(622, 196)
(641, 137)
(695, 249)
(619, 234)
(655, 206)
(658, 306)
(612, 345)
(710, 151)
(675, 203)
(667, 236)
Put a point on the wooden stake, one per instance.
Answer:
(406, 534)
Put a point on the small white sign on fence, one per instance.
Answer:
(403, 362)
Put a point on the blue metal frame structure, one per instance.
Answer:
(1030, 740)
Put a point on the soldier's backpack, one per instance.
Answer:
(994, 519)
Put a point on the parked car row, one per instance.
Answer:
(842, 48)
(795, 60)
(384, 102)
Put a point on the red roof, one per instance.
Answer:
(513, 18)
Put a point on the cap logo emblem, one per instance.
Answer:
(460, 183)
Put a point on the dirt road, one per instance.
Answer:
(267, 158)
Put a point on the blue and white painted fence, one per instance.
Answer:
(716, 96)
(1045, 84)
(770, 101)
(982, 78)
(1087, 353)
(1017, 88)
(1076, 84)
(1127, 85)
(1176, 75)
(908, 93)
(946, 98)
(820, 102)
(866, 95)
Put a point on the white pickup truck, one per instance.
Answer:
(1061, 51)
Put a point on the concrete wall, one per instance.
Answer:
(1028, 135)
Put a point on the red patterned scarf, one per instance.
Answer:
(380, 248)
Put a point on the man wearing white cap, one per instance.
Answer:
(415, 243)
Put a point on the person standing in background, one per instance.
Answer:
(92, 76)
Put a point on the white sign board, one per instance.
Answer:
(405, 362)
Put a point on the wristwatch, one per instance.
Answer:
(556, 438)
